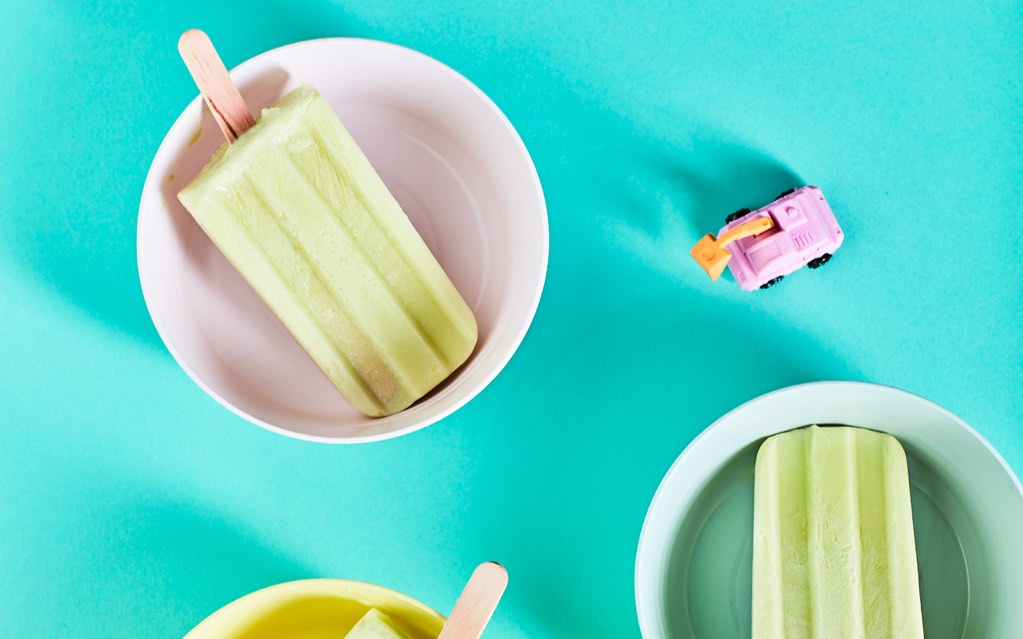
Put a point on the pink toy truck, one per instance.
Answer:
(797, 229)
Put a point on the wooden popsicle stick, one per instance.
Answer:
(210, 75)
(477, 602)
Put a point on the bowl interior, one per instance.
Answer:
(694, 570)
(315, 609)
(451, 159)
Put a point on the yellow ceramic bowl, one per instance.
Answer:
(315, 609)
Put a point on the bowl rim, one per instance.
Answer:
(299, 584)
(643, 613)
(471, 391)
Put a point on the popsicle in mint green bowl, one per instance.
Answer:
(695, 565)
(361, 258)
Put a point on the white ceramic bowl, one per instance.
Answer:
(451, 159)
(694, 563)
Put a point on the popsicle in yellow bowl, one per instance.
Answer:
(833, 550)
(296, 207)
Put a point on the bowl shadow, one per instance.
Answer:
(176, 563)
(615, 407)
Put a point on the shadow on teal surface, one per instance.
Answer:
(680, 195)
(175, 566)
(625, 363)
(704, 183)
(584, 448)
(80, 243)
(87, 256)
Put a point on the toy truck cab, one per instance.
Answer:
(797, 229)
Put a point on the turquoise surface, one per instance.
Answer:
(131, 504)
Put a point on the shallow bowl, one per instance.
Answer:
(695, 556)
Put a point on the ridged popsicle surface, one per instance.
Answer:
(376, 625)
(834, 555)
(297, 208)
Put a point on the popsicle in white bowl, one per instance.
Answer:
(296, 207)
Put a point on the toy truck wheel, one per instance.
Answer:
(770, 283)
(784, 193)
(734, 216)
(818, 262)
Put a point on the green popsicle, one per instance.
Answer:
(297, 208)
(833, 550)
(376, 625)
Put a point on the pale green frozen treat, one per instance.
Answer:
(376, 625)
(298, 210)
(833, 549)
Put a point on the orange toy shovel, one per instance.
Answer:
(710, 252)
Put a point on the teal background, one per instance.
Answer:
(132, 505)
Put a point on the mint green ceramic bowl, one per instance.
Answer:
(695, 557)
